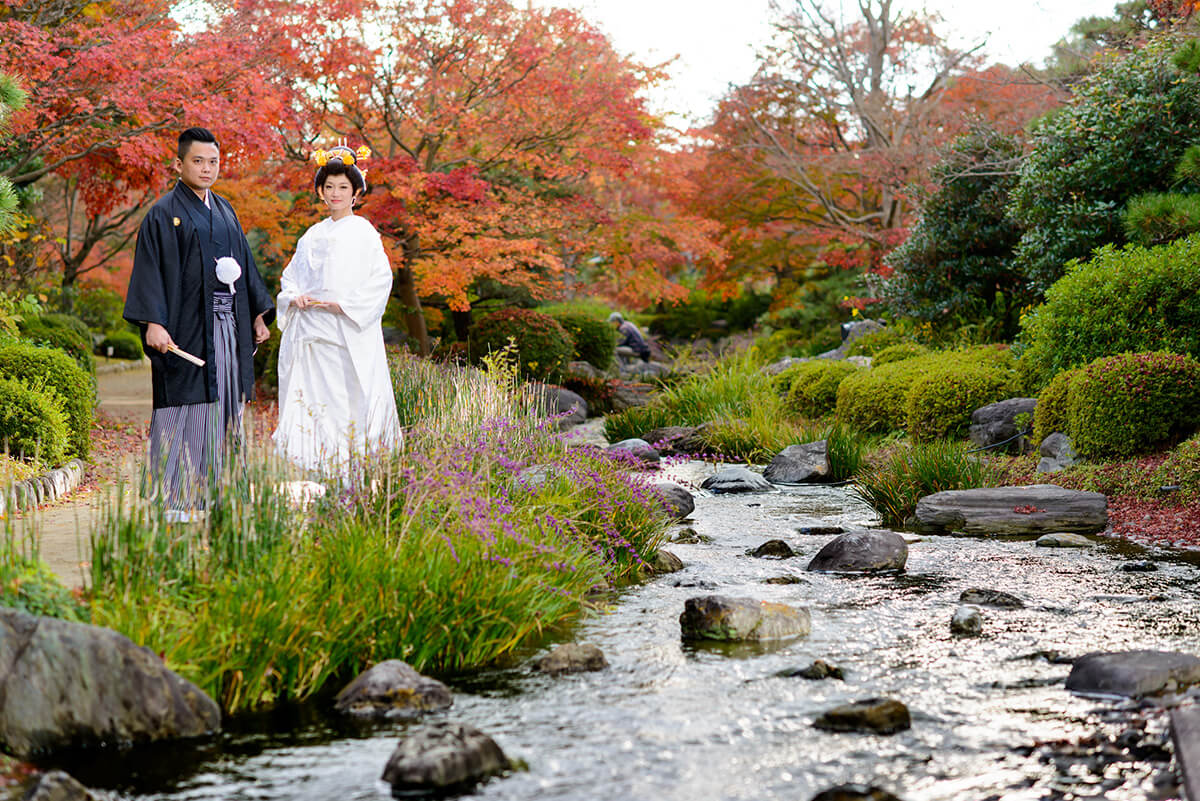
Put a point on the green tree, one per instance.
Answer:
(957, 263)
(12, 97)
(1122, 136)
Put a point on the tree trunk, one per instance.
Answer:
(414, 320)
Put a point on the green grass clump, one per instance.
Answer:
(894, 487)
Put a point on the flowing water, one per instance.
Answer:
(671, 721)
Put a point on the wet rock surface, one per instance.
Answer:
(572, 658)
(443, 756)
(680, 503)
(854, 792)
(1008, 511)
(736, 480)
(666, 562)
(392, 689)
(66, 685)
(1063, 539)
(1133, 673)
(639, 449)
(869, 716)
(868, 550)
(796, 464)
(719, 617)
(56, 785)
(983, 597)
(773, 549)
(817, 671)
(966, 622)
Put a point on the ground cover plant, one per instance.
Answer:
(452, 554)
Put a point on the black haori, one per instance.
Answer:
(188, 443)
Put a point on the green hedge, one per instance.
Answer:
(53, 331)
(940, 403)
(898, 353)
(813, 386)
(878, 399)
(60, 320)
(125, 345)
(52, 370)
(1132, 299)
(595, 340)
(32, 423)
(1050, 414)
(1126, 404)
(543, 345)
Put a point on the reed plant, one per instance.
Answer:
(909, 474)
(479, 536)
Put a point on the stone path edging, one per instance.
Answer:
(49, 486)
(121, 365)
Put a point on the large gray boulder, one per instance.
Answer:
(735, 479)
(677, 499)
(630, 395)
(443, 756)
(997, 422)
(66, 685)
(639, 449)
(1057, 453)
(719, 617)
(1133, 673)
(863, 551)
(392, 689)
(1035, 509)
(796, 464)
(559, 400)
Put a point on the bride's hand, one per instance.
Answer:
(303, 302)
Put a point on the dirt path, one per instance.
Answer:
(62, 527)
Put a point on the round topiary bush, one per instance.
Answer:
(595, 340)
(1133, 299)
(1050, 414)
(32, 423)
(55, 372)
(898, 353)
(543, 346)
(64, 337)
(128, 345)
(814, 385)
(1126, 404)
(939, 404)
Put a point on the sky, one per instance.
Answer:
(715, 40)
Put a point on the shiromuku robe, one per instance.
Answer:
(172, 284)
(335, 391)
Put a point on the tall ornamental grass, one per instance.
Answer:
(483, 534)
(907, 475)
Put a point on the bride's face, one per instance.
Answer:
(338, 193)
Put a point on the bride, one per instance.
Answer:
(335, 391)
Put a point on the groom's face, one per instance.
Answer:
(199, 166)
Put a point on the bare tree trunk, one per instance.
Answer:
(414, 320)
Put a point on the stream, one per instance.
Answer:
(671, 721)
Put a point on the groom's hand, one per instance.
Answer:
(158, 338)
(261, 332)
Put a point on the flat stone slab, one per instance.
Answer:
(1133, 674)
(1012, 511)
(864, 551)
(725, 619)
(1185, 734)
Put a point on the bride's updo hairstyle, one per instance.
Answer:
(341, 160)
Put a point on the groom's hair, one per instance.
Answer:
(195, 135)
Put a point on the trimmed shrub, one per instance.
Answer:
(1133, 299)
(595, 340)
(54, 371)
(32, 423)
(128, 345)
(872, 343)
(64, 337)
(1126, 404)
(898, 353)
(877, 399)
(1050, 414)
(543, 345)
(814, 385)
(940, 404)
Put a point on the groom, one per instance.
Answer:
(183, 308)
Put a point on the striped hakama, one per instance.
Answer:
(188, 443)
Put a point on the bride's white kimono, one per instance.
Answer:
(335, 390)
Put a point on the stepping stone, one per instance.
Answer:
(1008, 511)
(774, 549)
(1133, 673)
(818, 670)
(1063, 539)
(796, 464)
(736, 479)
(721, 618)
(966, 622)
(679, 501)
(572, 658)
(443, 756)
(392, 689)
(863, 551)
(991, 598)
